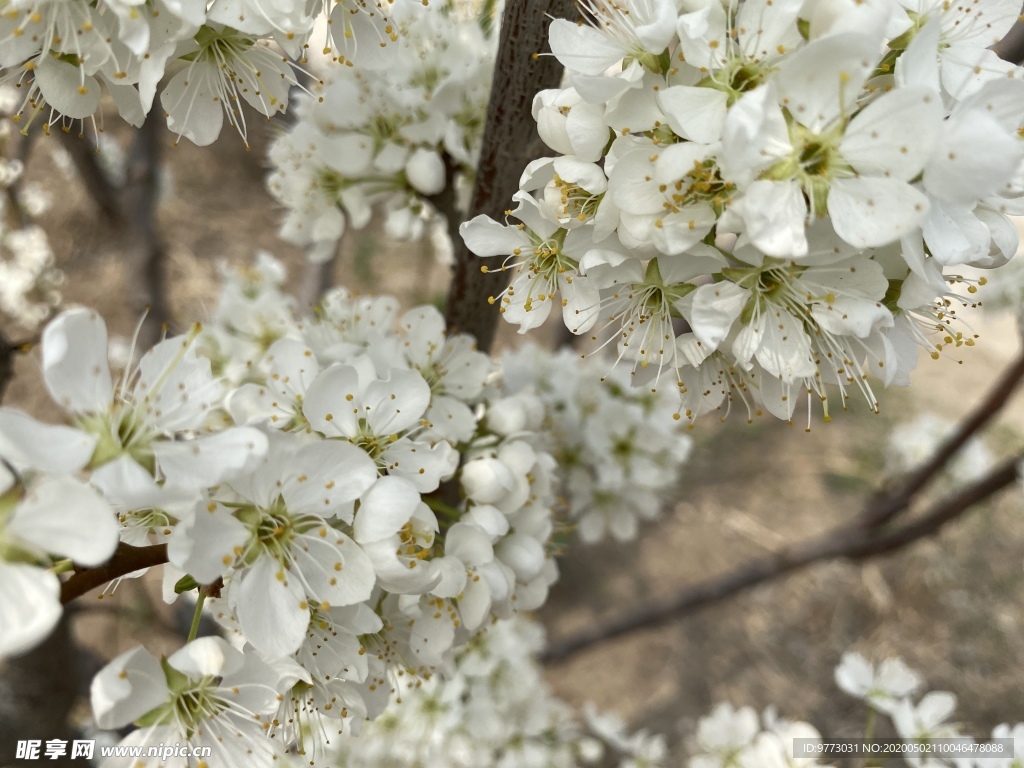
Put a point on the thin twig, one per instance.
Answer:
(127, 559)
(851, 542)
(886, 505)
(868, 535)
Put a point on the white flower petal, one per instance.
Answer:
(62, 516)
(29, 607)
(75, 361)
(872, 212)
(271, 608)
(50, 448)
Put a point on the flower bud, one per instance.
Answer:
(425, 172)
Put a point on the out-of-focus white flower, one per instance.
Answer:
(882, 687)
(914, 442)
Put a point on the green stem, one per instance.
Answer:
(869, 732)
(197, 616)
(62, 566)
(442, 508)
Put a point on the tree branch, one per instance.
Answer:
(147, 252)
(508, 135)
(852, 542)
(127, 559)
(886, 505)
(867, 536)
(101, 190)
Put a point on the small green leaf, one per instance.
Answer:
(185, 584)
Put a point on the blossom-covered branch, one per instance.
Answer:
(802, 183)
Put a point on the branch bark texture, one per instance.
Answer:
(508, 136)
(127, 559)
(147, 252)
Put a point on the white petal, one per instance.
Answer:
(192, 106)
(755, 136)
(67, 88)
(581, 48)
(869, 213)
(270, 609)
(697, 114)
(715, 308)
(397, 403)
(775, 213)
(335, 571)
(523, 554)
(489, 519)
(131, 685)
(323, 476)
(44, 447)
(208, 656)
(475, 603)
(823, 80)
(425, 172)
(894, 135)
(207, 542)
(330, 404)
(854, 675)
(75, 361)
(580, 302)
(974, 158)
(469, 544)
(385, 508)
(918, 66)
(423, 464)
(62, 516)
(362, 38)
(486, 237)
(210, 459)
(29, 607)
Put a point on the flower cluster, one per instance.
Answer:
(800, 182)
(889, 689)
(354, 496)
(737, 737)
(619, 451)
(731, 738)
(207, 59)
(386, 138)
(495, 710)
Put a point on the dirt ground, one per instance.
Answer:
(950, 606)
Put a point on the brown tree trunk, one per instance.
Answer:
(508, 138)
(147, 252)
